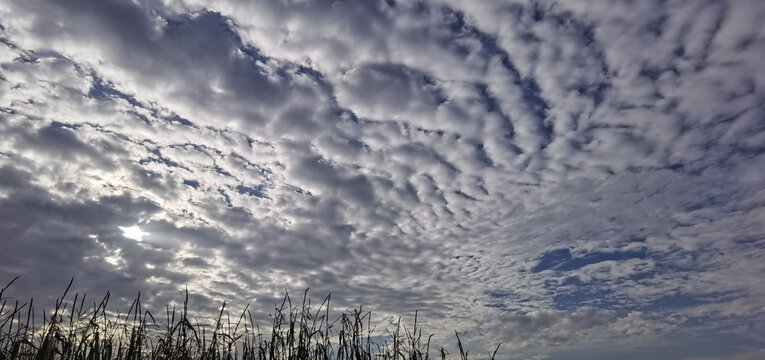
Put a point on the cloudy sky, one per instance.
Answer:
(574, 179)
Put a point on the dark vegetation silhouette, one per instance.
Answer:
(80, 331)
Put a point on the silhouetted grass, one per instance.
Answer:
(76, 331)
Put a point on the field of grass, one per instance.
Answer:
(74, 330)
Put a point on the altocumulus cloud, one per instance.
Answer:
(569, 178)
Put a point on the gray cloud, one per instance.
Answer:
(546, 172)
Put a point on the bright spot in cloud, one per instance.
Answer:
(133, 232)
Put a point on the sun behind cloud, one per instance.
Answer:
(133, 232)
(562, 177)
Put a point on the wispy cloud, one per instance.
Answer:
(549, 173)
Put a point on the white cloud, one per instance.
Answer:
(409, 156)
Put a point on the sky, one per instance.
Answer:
(573, 179)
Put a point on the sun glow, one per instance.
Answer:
(133, 232)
